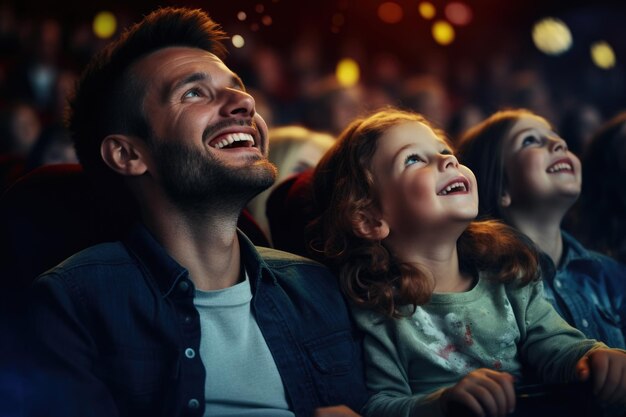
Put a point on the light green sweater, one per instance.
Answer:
(497, 326)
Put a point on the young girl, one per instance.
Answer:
(528, 178)
(451, 309)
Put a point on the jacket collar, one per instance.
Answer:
(166, 272)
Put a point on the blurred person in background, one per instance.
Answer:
(293, 149)
(601, 212)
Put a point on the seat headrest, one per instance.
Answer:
(289, 209)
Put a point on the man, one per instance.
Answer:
(185, 316)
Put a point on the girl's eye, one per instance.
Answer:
(530, 140)
(412, 159)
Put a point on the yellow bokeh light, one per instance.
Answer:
(348, 72)
(443, 32)
(104, 25)
(238, 41)
(552, 36)
(603, 55)
(390, 12)
(427, 10)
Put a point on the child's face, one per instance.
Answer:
(537, 165)
(420, 183)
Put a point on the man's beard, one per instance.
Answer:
(196, 181)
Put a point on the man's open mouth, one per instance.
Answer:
(233, 140)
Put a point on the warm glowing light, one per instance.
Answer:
(238, 41)
(254, 27)
(267, 20)
(427, 10)
(104, 25)
(552, 36)
(458, 13)
(390, 12)
(259, 8)
(348, 72)
(602, 55)
(242, 16)
(443, 32)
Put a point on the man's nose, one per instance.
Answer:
(237, 102)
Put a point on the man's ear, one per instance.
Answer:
(370, 225)
(124, 154)
(505, 199)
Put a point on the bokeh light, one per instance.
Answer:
(104, 25)
(242, 16)
(348, 72)
(602, 55)
(458, 13)
(552, 36)
(427, 10)
(443, 32)
(267, 20)
(259, 8)
(238, 41)
(390, 12)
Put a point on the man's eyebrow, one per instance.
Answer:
(191, 78)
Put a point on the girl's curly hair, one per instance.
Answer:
(370, 275)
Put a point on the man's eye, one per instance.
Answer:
(530, 140)
(192, 93)
(412, 159)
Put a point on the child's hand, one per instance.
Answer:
(485, 392)
(607, 368)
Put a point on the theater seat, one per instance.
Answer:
(289, 209)
(52, 213)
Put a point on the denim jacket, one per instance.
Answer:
(588, 290)
(116, 323)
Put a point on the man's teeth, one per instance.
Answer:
(562, 166)
(457, 186)
(232, 138)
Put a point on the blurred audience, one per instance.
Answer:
(578, 123)
(293, 149)
(601, 213)
(19, 129)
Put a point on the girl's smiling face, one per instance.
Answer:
(421, 186)
(538, 166)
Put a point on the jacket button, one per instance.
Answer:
(193, 404)
(183, 286)
(190, 353)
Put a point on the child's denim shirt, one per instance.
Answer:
(588, 290)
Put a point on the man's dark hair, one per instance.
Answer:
(108, 98)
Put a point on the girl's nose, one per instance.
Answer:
(558, 144)
(448, 161)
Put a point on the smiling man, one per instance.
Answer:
(185, 316)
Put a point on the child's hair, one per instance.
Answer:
(370, 275)
(480, 149)
(602, 222)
